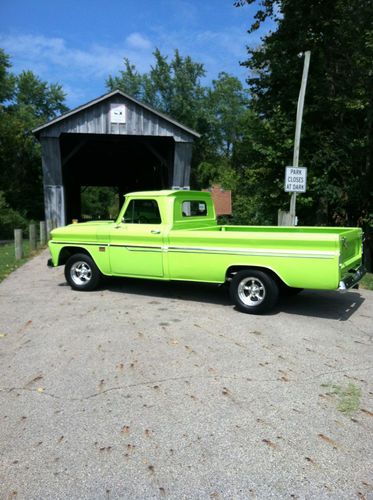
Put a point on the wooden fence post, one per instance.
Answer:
(42, 233)
(18, 243)
(284, 218)
(32, 236)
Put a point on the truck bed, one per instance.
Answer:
(305, 257)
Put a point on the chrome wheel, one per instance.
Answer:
(251, 291)
(80, 273)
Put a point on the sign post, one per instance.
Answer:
(298, 128)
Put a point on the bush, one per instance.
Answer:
(9, 219)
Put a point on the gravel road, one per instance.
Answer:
(162, 390)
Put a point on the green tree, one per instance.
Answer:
(29, 102)
(337, 134)
(172, 87)
(227, 102)
(9, 219)
(41, 100)
(129, 81)
(220, 121)
(99, 202)
(7, 80)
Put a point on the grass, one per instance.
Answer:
(8, 262)
(367, 282)
(348, 397)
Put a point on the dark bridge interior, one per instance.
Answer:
(128, 163)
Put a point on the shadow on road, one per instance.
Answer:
(181, 290)
(311, 303)
(322, 304)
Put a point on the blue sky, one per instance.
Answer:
(79, 43)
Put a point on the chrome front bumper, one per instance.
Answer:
(353, 279)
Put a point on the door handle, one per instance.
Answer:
(155, 231)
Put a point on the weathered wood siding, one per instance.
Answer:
(54, 201)
(96, 120)
(182, 159)
(51, 161)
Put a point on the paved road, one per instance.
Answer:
(158, 390)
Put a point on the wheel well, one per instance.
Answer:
(67, 252)
(231, 271)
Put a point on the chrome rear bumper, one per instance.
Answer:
(353, 279)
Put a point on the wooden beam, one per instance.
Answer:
(74, 151)
(155, 153)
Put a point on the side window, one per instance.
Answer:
(194, 208)
(142, 212)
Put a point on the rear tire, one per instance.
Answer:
(254, 292)
(82, 273)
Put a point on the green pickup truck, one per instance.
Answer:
(174, 235)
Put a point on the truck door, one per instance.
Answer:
(136, 243)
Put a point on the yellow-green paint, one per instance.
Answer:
(197, 249)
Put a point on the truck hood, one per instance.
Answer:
(92, 223)
(82, 231)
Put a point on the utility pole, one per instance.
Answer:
(298, 127)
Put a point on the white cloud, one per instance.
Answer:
(77, 70)
(82, 71)
(137, 41)
(217, 50)
(56, 56)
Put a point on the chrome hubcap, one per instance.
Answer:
(80, 273)
(251, 291)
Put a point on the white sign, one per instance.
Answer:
(118, 114)
(296, 179)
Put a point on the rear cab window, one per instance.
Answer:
(193, 208)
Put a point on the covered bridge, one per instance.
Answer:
(114, 140)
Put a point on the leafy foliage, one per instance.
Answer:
(337, 134)
(174, 87)
(171, 87)
(7, 81)
(100, 202)
(25, 102)
(9, 219)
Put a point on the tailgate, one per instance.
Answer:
(350, 250)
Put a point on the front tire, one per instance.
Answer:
(254, 292)
(82, 273)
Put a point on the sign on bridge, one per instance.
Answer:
(295, 179)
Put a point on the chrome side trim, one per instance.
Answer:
(131, 248)
(80, 243)
(140, 248)
(255, 252)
